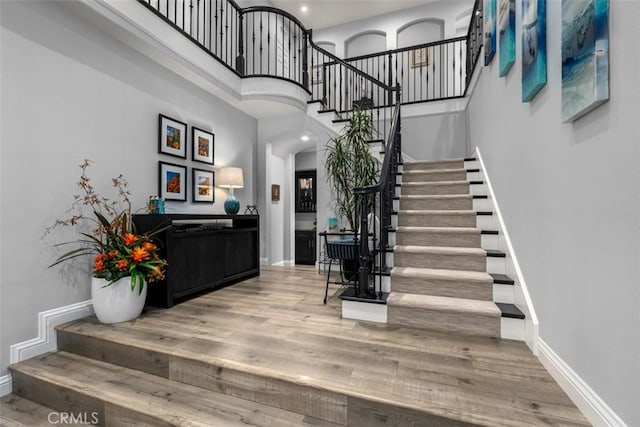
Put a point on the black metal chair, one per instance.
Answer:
(344, 248)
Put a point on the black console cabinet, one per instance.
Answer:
(203, 252)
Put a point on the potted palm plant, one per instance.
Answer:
(350, 165)
(124, 262)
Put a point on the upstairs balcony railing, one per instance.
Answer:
(264, 41)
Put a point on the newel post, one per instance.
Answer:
(240, 62)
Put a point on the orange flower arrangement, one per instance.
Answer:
(119, 251)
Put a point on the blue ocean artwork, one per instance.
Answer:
(489, 31)
(534, 48)
(585, 56)
(507, 35)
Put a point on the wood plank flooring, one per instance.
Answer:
(272, 333)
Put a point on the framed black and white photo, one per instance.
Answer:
(202, 142)
(172, 181)
(203, 186)
(172, 137)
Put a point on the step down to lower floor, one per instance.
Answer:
(349, 294)
(116, 395)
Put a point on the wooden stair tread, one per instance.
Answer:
(444, 304)
(433, 171)
(434, 196)
(436, 212)
(159, 399)
(457, 230)
(433, 183)
(17, 411)
(442, 274)
(441, 250)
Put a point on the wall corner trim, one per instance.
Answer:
(46, 339)
(5, 385)
(590, 404)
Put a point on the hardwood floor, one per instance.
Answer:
(271, 340)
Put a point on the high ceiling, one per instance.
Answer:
(327, 13)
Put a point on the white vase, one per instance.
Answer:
(117, 302)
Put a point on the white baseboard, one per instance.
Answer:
(284, 263)
(264, 261)
(5, 385)
(590, 404)
(46, 339)
(531, 324)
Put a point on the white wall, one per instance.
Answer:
(70, 92)
(276, 225)
(447, 10)
(365, 43)
(570, 197)
(425, 31)
(306, 160)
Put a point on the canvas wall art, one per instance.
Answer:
(507, 35)
(585, 56)
(489, 31)
(534, 48)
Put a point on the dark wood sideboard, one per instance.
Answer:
(204, 252)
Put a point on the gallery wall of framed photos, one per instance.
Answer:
(174, 180)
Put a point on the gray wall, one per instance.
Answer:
(424, 31)
(362, 44)
(570, 197)
(435, 137)
(70, 92)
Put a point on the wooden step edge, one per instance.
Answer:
(36, 379)
(349, 294)
(480, 196)
(510, 311)
(18, 411)
(478, 277)
(278, 381)
(490, 232)
(484, 213)
(470, 159)
(478, 182)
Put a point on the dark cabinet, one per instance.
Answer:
(305, 247)
(203, 252)
(305, 186)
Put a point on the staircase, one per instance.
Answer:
(445, 267)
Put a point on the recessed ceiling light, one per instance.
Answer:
(304, 9)
(305, 138)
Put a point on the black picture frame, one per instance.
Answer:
(172, 137)
(203, 144)
(170, 175)
(203, 186)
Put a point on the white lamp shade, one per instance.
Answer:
(230, 178)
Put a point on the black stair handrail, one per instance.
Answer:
(377, 203)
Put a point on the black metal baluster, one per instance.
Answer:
(269, 44)
(240, 59)
(305, 62)
(261, 27)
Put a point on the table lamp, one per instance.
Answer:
(230, 178)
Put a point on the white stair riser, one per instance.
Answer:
(392, 238)
(489, 241)
(486, 222)
(503, 293)
(389, 258)
(496, 265)
(471, 164)
(396, 205)
(364, 311)
(512, 329)
(394, 221)
(474, 176)
(477, 189)
(482, 205)
(385, 283)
